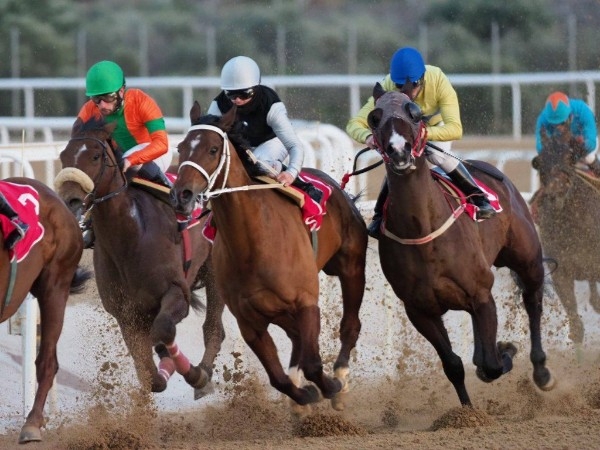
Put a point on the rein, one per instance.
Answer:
(224, 163)
(110, 195)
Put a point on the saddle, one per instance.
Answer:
(448, 187)
(160, 191)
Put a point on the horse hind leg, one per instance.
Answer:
(353, 286)
(52, 311)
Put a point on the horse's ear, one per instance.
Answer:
(413, 111)
(378, 91)
(77, 126)
(228, 119)
(374, 118)
(195, 112)
(110, 127)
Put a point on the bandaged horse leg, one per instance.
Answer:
(194, 376)
(166, 366)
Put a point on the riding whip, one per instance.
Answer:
(483, 169)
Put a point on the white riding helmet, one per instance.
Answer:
(240, 72)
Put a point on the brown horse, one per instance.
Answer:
(265, 266)
(50, 272)
(569, 224)
(437, 259)
(138, 259)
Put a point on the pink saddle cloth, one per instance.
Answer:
(25, 200)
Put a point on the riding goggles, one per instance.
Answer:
(106, 98)
(242, 94)
(409, 85)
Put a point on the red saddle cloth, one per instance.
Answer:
(469, 208)
(25, 200)
(312, 212)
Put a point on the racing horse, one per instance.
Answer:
(50, 271)
(266, 268)
(568, 223)
(139, 259)
(436, 258)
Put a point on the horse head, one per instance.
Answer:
(90, 168)
(398, 129)
(556, 165)
(204, 158)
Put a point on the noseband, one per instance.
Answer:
(224, 162)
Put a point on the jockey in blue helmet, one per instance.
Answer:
(562, 114)
(429, 88)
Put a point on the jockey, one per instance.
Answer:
(431, 90)
(562, 114)
(140, 131)
(266, 125)
(20, 227)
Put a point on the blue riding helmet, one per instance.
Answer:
(558, 108)
(406, 64)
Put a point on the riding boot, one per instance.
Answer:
(465, 182)
(374, 228)
(313, 192)
(20, 227)
(151, 172)
(595, 167)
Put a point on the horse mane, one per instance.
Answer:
(237, 139)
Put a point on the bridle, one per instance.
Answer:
(105, 163)
(224, 165)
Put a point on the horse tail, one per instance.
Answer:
(80, 277)
(197, 304)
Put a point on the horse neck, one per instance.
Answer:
(413, 198)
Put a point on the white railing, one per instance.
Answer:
(353, 83)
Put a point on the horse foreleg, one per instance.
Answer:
(309, 325)
(214, 335)
(532, 299)
(52, 311)
(261, 343)
(564, 284)
(139, 344)
(433, 329)
(173, 309)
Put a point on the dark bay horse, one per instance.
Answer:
(138, 259)
(50, 272)
(569, 224)
(265, 266)
(437, 259)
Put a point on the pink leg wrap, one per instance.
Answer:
(182, 363)
(166, 368)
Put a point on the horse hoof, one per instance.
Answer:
(301, 411)
(313, 394)
(338, 402)
(30, 433)
(203, 391)
(507, 348)
(546, 382)
(196, 377)
(482, 376)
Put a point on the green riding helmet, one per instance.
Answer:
(104, 77)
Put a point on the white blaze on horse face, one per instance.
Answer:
(397, 141)
(80, 151)
(194, 143)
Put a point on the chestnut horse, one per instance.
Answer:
(265, 266)
(50, 272)
(569, 224)
(138, 259)
(437, 259)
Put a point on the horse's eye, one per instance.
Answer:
(213, 150)
(96, 156)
